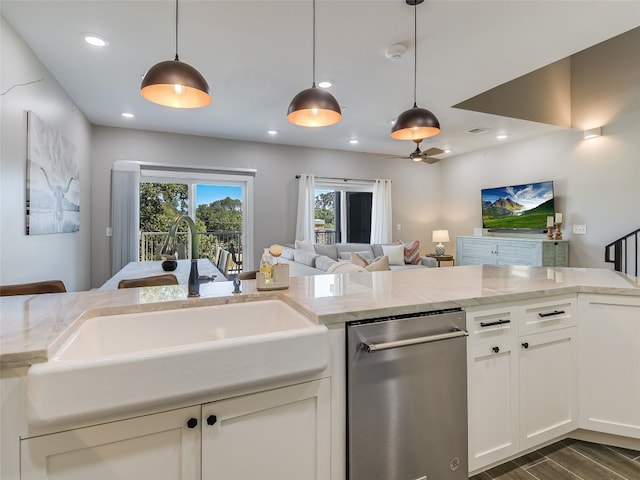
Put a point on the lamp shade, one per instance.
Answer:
(415, 124)
(175, 84)
(314, 107)
(440, 236)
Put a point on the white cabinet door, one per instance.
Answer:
(475, 251)
(492, 402)
(610, 364)
(280, 434)
(548, 386)
(158, 447)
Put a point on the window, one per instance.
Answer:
(343, 212)
(219, 204)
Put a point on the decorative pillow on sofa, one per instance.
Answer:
(287, 253)
(305, 257)
(357, 258)
(365, 254)
(323, 262)
(411, 252)
(345, 267)
(305, 245)
(378, 265)
(395, 254)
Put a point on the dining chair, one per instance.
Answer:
(46, 286)
(224, 262)
(153, 281)
(237, 263)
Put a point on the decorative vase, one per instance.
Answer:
(439, 249)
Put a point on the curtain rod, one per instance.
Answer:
(346, 180)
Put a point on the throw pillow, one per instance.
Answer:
(345, 267)
(378, 265)
(395, 254)
(305, 245)
(411, 252)
(287, 253)
(323, 262)
(358, 259)
(305, 257)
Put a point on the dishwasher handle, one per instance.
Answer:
(376, 347)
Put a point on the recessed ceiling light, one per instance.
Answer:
(325, 84)
(95, 40)
(128, 115)
(502, 136)
(272, 132)
(354, 141)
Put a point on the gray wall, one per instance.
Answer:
(597, 183)
(26, 258)
(416, 186)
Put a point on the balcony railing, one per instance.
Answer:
(151, 243)
(326, 237)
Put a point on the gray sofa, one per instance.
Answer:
(304, 262)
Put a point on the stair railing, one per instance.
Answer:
(620, 251)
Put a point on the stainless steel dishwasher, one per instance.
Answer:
(407, 397)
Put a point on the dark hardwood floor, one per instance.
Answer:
(571, 460)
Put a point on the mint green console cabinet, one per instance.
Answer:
(511, 251)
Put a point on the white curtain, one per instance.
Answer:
(381, 221)
(305, 223)
(125, 213)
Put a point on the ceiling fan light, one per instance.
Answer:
(314, 107)
(175, 84)
(415, 124)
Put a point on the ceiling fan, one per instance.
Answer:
(419, 156)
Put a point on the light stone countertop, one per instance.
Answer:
(34, 327)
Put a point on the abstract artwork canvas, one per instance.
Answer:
(53, 180)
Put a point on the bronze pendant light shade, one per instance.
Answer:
(416, 123)
(314, 107)
(173, 83)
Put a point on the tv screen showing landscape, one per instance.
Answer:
(518, 206)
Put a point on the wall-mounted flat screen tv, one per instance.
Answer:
(517, 207)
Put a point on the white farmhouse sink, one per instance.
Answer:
(123, 362)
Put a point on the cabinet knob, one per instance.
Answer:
(192, 422)
(496, 349)
(211, 420)
(525, 345)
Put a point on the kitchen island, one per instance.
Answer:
(35, 327)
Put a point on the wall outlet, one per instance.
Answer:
(399, 227)
(580, 229)
(108, 232)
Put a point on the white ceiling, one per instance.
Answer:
(256, 55)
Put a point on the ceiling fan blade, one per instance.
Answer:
(430, 160)
(433, 151)
(394, 158)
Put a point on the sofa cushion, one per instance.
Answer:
(395, 254)
(305, 245)
(305, 257)
(353, 247)
(287, 253)
(411, 252)
(328, 250)
(323, 262)
(378, 265)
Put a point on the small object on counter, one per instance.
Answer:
(275, 250)
(278, 281)
(236, 285)
(266, 266)
(169, 262)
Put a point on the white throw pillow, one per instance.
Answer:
(305, 245)
(395, 254)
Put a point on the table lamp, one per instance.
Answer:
(440, 236)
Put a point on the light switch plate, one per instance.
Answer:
(580, 229)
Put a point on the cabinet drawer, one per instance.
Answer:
(550, 315)
(492, 325)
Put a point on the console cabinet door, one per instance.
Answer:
(548, 386)
(280, 434)
(158, 447)
(492, 402)
(610, 364)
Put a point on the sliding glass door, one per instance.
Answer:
(343, 213)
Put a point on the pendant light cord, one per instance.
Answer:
(177, 59)
(415, 52)
(313, 76)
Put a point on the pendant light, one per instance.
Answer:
(314, 107)
(175, 84)
(416, 123)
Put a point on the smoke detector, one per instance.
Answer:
(395, 52)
